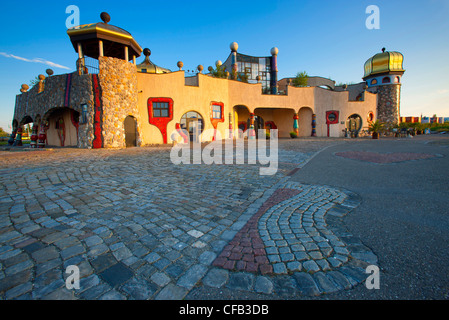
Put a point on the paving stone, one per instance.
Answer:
(279, 268)
(112, 295)
(241, 281)
(116, 274)
(18, 291)
(160, 278)
(89, 282)
(310, 266)
(339, 279)
(45, 254)
(285, 286)
(47, 266)
(94, 292)
(172, 292)
(325, 284)
(35, 246)
(41, 292)
(19, 267)
(263, 285)
(294, 266)
(97, 250)
(152, 257)
(139, 289)
(306, 284)
(103, 262)
(195, 233)
(122, 253)
(93, 241)
(207, 257)
(72, 251)
(192, 276)
(216, 278)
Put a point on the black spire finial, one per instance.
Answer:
(146, 52)
(383, 49)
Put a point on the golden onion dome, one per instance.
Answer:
(149, 67)
(384, 63)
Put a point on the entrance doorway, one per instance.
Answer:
(130, 131)
(193, 123)
(354, 124)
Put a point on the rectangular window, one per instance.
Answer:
(160, 110)
(216, 112)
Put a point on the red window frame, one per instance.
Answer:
(213, 120)
(160, 122)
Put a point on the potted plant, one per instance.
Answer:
(376, 127)
(293, 135)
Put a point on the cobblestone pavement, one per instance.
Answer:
(140, 227)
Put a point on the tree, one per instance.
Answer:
(219, 72)
(301, 79)
(3, 133)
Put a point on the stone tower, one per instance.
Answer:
(383, 73)
(114, 85)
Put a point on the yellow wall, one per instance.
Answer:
(233, 93)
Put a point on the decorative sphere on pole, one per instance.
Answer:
(180, 65)
(234, 46)
(105, 17)
(274, 51)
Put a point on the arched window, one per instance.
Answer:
(373, 82)
(386, 80)
(397, 80)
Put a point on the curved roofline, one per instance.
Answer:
(102, 28)
(387, 66)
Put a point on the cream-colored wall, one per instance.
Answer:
(326, 100)
(233, 93)
(305, 121)
(185, 98)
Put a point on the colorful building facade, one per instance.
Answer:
(120, 103)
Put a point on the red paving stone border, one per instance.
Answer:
(246, 252)
(383, 157)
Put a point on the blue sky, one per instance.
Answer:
(324, 38)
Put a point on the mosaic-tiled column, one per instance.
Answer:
(314, 125)
(252, 133)
(230, 126)
(12, 137)
(296, 123)
(33, 138)
(18, 141)
(41, 137)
